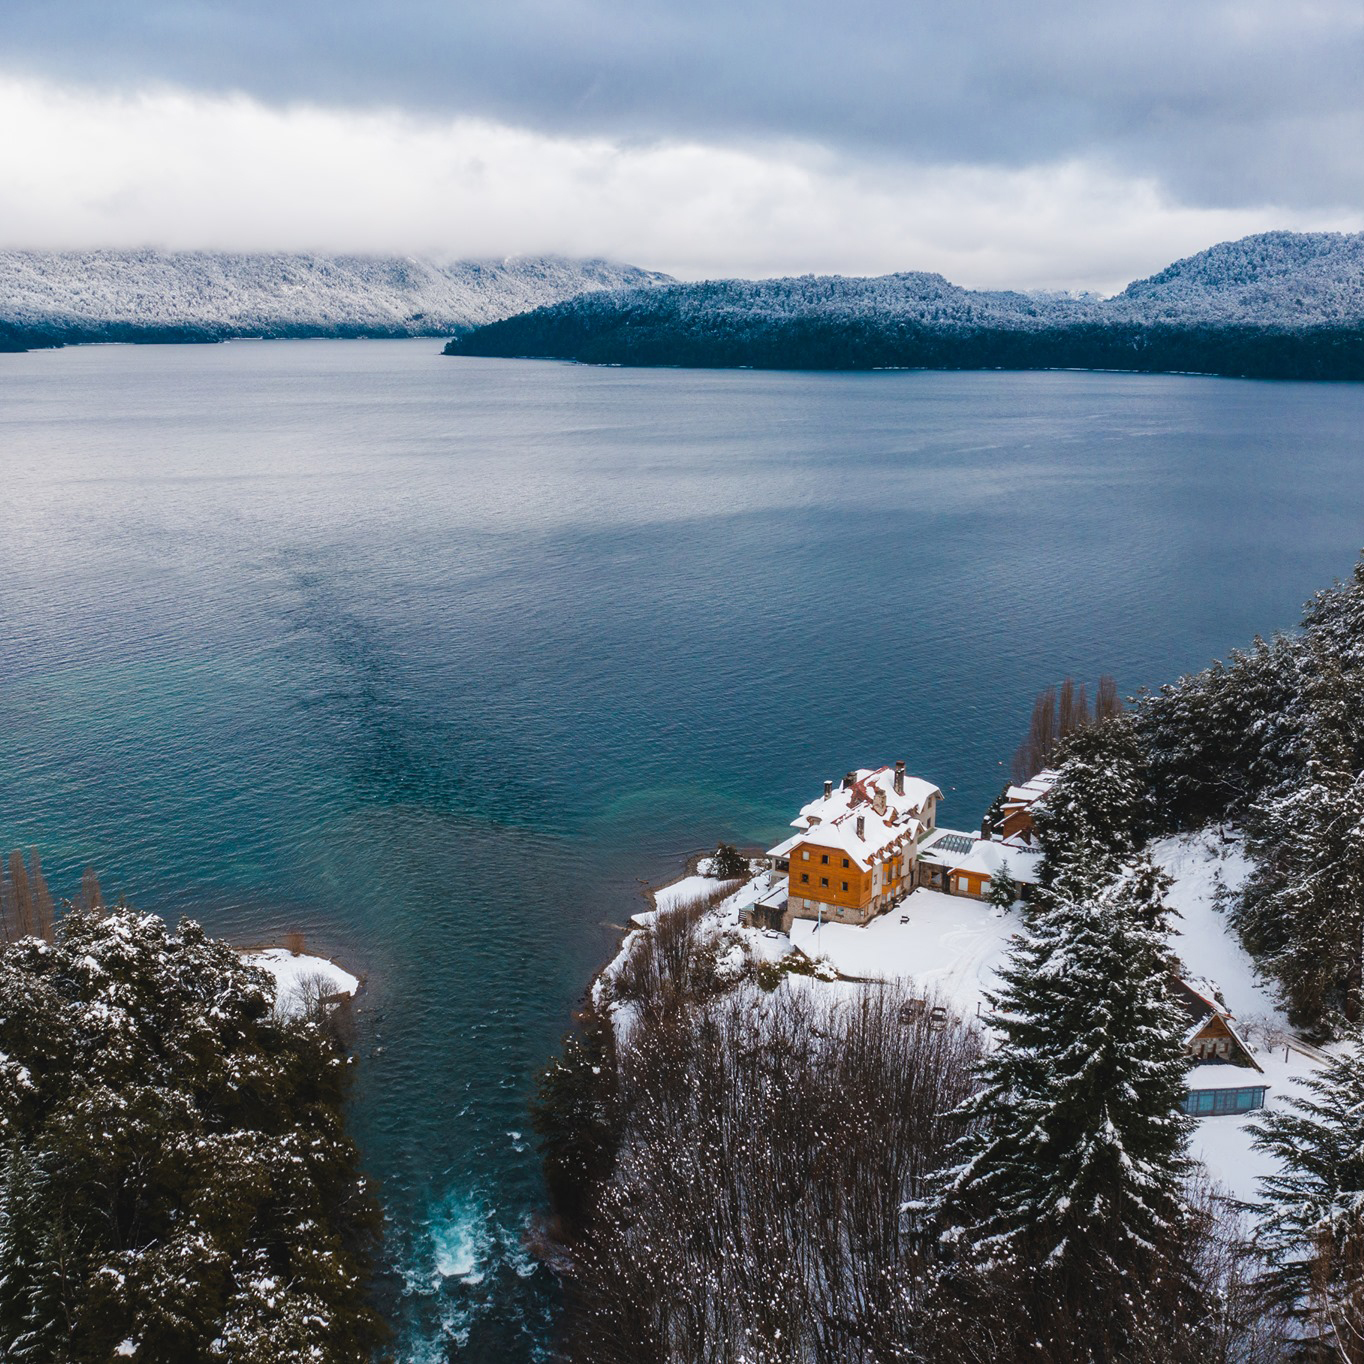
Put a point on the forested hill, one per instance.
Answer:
(50, 297)
(1277, 305)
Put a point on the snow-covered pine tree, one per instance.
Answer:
(1098, 812)
(175, 1176)
(1144, 887)
(1302, 909)
(1216, 740)
(1004, 892)
(1071, 1176)
(1311, 1231)
(1335, 621)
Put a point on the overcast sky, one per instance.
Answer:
(1065, 145)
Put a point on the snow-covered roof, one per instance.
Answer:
(776, 895)
(783, 848)
(1031, 790)
(866, 782)
(847, 820)
(1222, 1075)
(985, 856)
(1206, 990)
(863, 835)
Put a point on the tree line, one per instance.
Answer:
(634, 329)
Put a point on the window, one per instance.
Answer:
(824, 857)
(823, 880)
(840, 909)
(805, 876)
(845, 885)
(805, 854)
(845, 861)
(1203, 1103)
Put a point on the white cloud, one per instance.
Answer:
(175, 169)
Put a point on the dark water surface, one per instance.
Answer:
(431, 659)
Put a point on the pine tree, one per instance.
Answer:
(174, 1169)
(1098, 812)
(1072, 1174)
(1003, 890)
(729, 863)
(1312, 1228)
(1216, 741)
(1145, 886)
(1302, 910)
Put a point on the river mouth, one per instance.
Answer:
(439, 663)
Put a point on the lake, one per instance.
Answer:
(437, 660)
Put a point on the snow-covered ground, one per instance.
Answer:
(948, 944)
(1201, 863)
(296, 974)
(952, 946)
(1223, 1143)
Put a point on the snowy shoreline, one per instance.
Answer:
(952, 946)
(302, 978)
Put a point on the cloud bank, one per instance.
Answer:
(1061, 143)
(1224, 103)
(188, 170)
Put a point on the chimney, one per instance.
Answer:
(828, 789)
(848, 781)
(878, 801)
(861, 826)
(899, 776)
(985, 828)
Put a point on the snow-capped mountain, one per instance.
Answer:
(1291, 279)
(92, 295)
(1277, 305)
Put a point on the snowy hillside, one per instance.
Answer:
(92, 295)
(1279, 305)
(1282, 278)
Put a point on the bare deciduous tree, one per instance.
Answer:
(1056, 715)
(1106, 702)
(21, 895)
(44, 911)
(91, 897)
(766, 1203)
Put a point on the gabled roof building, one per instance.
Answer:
(855, 852)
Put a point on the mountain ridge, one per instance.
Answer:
(1275, 305)
(55, 297)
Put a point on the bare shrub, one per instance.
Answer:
(775, 1151)
(313, 991)
(672, 960)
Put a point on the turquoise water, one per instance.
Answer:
(433, 660)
